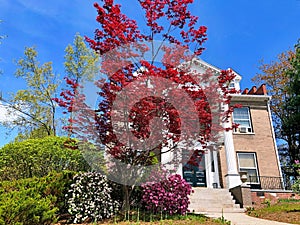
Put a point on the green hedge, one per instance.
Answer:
(38, 157)
(296, 186)
(34, 201)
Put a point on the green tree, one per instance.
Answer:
(33, 108)
(80, 61)
(81, 65)
(276, 76)
(36, 133)
(291, 120)
(39, 157)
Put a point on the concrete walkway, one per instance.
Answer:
(243, 219)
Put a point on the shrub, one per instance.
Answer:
(34, 200)
(267, 202)
(296, 186)
(169, 196)
(26, 207)
(38, 157)
(89, 198)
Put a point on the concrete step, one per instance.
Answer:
(216, 205)
(217, 210)
(196, 199)
(204, 201)
(213, 200)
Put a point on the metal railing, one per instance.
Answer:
(266, 182)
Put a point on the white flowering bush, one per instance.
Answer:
(89, 198)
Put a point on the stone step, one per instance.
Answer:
(217, 210)
(207, 200)
(199, 198)
(215, 190)
(211, 196)
(215, 205)
(213, 200)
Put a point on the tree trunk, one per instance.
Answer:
(126, 197)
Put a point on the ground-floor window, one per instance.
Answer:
(247, 163)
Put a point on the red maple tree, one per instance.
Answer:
(153, 99)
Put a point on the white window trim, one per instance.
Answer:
(255, 162)
(249, 130)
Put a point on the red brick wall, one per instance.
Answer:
(272, 196)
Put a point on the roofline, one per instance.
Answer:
(201, 61)
(207, 64)
(257, 98)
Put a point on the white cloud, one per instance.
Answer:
(42, 7)
(4, 115)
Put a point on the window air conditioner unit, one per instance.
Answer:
(243, 129)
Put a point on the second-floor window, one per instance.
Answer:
(242, 117)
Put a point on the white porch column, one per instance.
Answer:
(216, 173)
(232, 176)
(211, 166)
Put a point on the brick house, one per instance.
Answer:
(250, 148)
(247, 150)
(247, 153)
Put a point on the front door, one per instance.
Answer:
(194, 170)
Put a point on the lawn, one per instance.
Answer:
(287, 211)
(190, 219)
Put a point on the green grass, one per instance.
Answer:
(148, 217)
(190, 217)
(289, 200)
(283, 207)
(140, 217)
(281, 211)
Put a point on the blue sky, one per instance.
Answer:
(240, 32)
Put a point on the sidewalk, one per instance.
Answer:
(243, 219)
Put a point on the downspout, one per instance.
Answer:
(274, 141)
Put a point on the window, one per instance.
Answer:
(247, 163)
(232, 85)
(242, 117)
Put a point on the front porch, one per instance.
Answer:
(203, 172)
